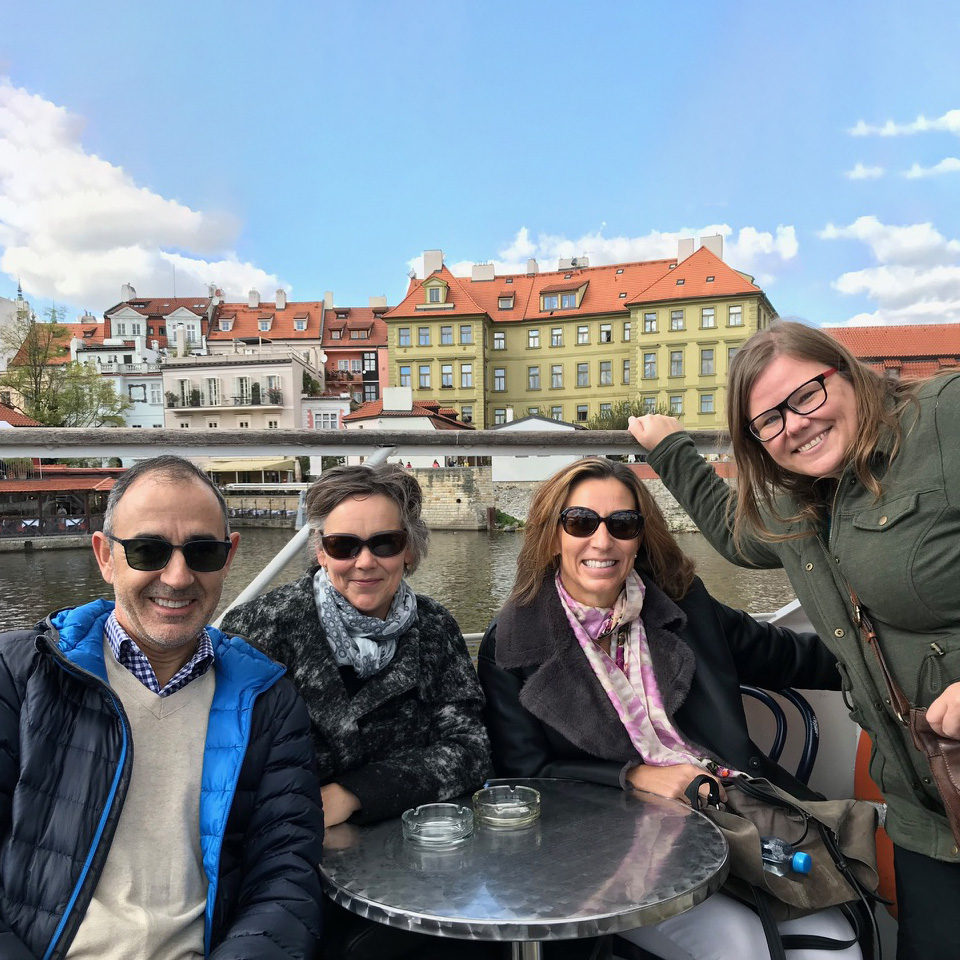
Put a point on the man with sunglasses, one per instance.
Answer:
(158, 793)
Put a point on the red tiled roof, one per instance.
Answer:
(694, 273)
(373, 409)
(15, 418)
(57, 485)
(609, 289)
(246, 321)
(357, 318)
(927, 340)
(161, 306)
(90, 333)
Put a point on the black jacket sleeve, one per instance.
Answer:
(521, 745)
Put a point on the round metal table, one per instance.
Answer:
(596, 862)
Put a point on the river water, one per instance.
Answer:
(469, 572)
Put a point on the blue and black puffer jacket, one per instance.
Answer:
(65, 763)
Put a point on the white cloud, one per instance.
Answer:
(757, 252)
(916, 278)
(74, 227)
(861, 172)
(947, 165)
(949, 123)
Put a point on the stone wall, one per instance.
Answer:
(457, 498)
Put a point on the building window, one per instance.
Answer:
(627, 329)
(360, 334)
(505, 303)
(731, 353)
(423, 336)
(533, 411)
(556, 337)
(583, 335)
(156, 393)
(343, 365)
(568, 301)
(735, 317)
(356, 366)
(466, 413)
(556, 376)
(606, 409)
(676, 363)
(371, 392)
(446, 375)
(706, 403)
(649, 366)
(676, 319)
(466, 374)
(533, 339)
(676, 406)
(225, 326)
(446, 336)
(405, 376)
(581, 412)
(403, 337)
(550, 301)
(706, 363)
(433, 295)
(708, 318)
(213, 424)
(556, 413)
(466, 333)
(336, 334)
(263, 326)
(500, 341)
(369, 360)
(533, 378)
(241, 424)
(606, 373)
(499, 415)
(649, 404)
(184, 426)
(300, 323)
(649, 323)
(273, 424)
(499, 378)
(583, 375)
(626, 371)
(424, 376)
(606, 333)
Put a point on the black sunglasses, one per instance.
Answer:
(153, 553)
(346, 546)
(583, 522)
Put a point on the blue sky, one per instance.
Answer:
(323, 146)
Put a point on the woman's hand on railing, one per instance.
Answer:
(650, 429)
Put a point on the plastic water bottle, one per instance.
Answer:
(783, 859)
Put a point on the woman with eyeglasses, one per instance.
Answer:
(850, 481)
(610, 662)
(393, 697)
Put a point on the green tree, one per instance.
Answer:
(55, 393)
(620, 414)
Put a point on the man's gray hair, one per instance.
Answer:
(169, 467)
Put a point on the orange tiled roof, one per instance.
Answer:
(926, 340)
(702, 274)
(373, 409)
(611, 288)
(246, 323)
(346, 319)
(90, 333)
(15, 418)
(161, 306)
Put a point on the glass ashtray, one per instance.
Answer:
(437, 824)
(506, 806)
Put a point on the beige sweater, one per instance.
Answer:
(150, 899)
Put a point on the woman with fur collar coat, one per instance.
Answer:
(611, 663)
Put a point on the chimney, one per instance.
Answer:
(281, 299)
(376, 302)
(127, 292)
(714, 244)
(328, 300)
(253, 298)
(482, 271)
(532, 268)
(684, 248)
(397, 398)
(432, 262)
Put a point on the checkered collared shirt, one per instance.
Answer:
(129, 655)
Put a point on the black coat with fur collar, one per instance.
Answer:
(411, 734)
(548, 715)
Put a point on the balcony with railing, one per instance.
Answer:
(197, 399)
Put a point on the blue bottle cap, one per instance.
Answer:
(801, 863)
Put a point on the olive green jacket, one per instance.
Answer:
(901, 554)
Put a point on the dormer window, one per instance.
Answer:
(680, 281)
(336, 334)
(300, 324)
(263, 325)
(433, 295)
(435, 292)
(505, 303)
(226, 325)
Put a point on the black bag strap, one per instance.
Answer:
(692, 793)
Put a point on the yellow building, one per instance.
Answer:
(570, 343)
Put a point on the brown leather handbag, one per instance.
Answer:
(942, 753)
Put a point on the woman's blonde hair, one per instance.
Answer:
(760, 477)
(659, 556)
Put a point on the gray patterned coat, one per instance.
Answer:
(411, 734)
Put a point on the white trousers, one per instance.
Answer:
(722, 928)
